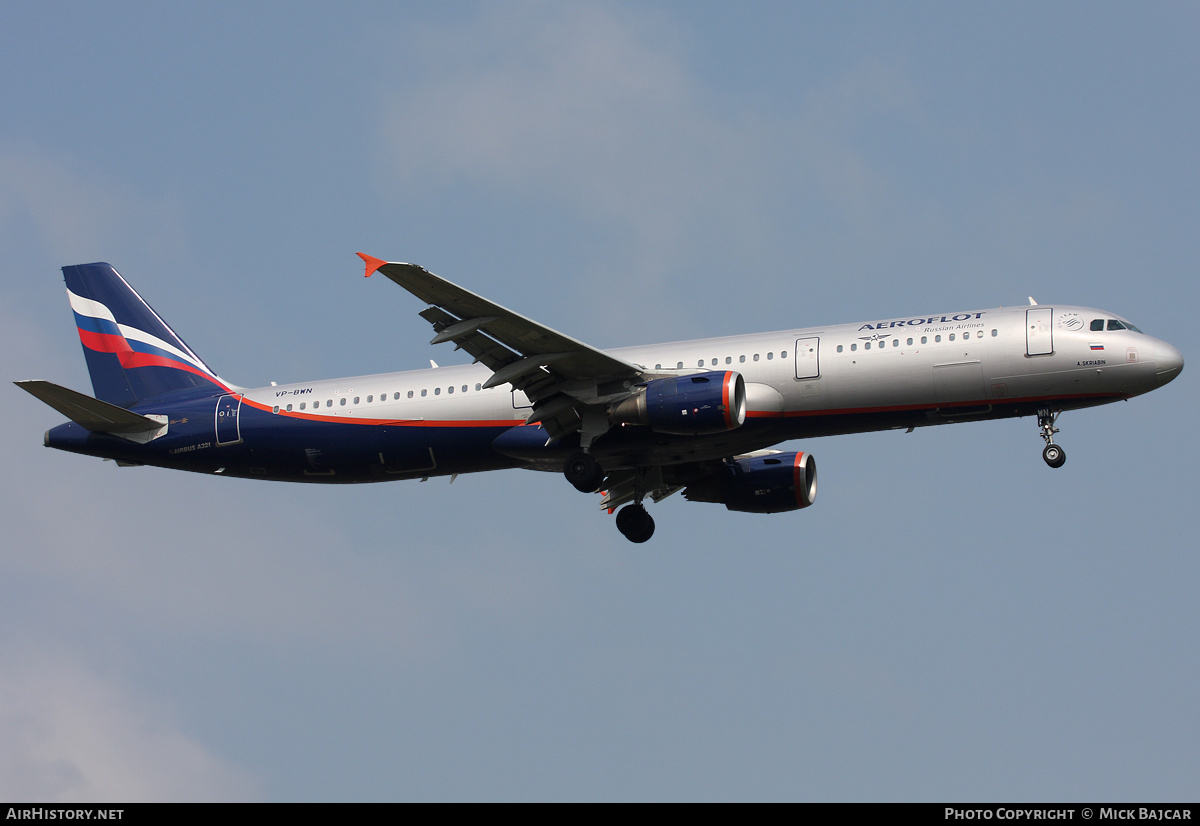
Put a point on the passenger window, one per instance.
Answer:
(910, 342)
(729, 359)
(1097, 325)
(450, 389)
(895, 342)
(464, 388)
(370, 399)
(741, 359)
(356, 399)
(437, 391)
(478, 386)
(679, 366)
(770, 355)
(853, 347)
(995, 332)
(276, 409)
(424, 393)
(783, 354)
(658, 367)
(952, 336)
(397, 396)
(937, 339)
(867, 346)
(301, 405)
(289, 408)
(700, 363)
(839, 348)
(924, 339)
(342, 401)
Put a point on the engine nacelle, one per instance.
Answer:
(775, 483)
(693, 405)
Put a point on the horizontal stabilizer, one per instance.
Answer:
(91, 414)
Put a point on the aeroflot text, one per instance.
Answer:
(917, 322)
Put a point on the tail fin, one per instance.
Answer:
(132, 355)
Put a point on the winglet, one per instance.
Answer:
(372, 263)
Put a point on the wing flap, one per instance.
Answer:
(484, 350)
(469, 320)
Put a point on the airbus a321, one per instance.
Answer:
(700, 416)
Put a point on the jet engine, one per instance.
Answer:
(694, 405)
(774, 483)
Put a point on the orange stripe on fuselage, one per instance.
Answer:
(344, 419)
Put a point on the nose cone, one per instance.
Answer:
(1168, 362)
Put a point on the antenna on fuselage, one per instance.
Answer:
(1032, 303)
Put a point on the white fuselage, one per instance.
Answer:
(962, 360)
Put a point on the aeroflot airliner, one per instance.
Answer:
(694, 416)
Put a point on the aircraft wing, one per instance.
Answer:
(543, 363)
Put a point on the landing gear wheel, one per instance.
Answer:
(635, 524)
(583, 472)
(1054, 455)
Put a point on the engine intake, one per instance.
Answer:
(694, 405)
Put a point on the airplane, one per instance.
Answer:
(702, 417)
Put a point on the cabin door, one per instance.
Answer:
(228, 410)
(1039, 331)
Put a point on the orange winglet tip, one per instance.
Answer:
(371, 262)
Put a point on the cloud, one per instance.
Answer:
(599, 111)
(49, 205)
(71, 734)
(589, 107)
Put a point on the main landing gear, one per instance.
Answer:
(1054, 455)
(634, 523)
(584, 472)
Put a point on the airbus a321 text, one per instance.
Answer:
(694, 416)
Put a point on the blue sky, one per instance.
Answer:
(951, 621)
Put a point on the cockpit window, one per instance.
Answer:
(1113, 324)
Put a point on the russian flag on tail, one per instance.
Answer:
(132, 355)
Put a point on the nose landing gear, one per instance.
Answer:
(1054, 455)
